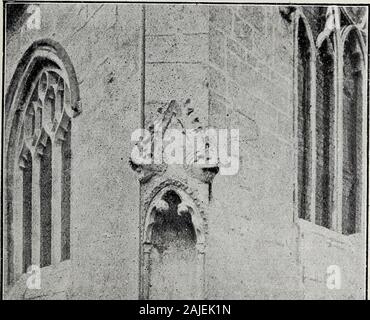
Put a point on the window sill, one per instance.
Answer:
(332, 237)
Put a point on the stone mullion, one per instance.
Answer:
(35, 210)
(36, 227)
(56, 202)
(313, 135)
(338, 178)
(147, 248)
(18, 222)
(361, 222)
(200, 249)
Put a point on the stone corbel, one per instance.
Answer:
(147, 171)
(204, 173)
(77, 108)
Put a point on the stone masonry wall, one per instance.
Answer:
(234, 66)
(251, 61)
(103, 42)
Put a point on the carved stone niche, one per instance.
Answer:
(174, 199)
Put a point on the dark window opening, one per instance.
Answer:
(27, 213)
(66, 194)
(50, 104)
(45, 205)
(352, 125)
(325, 156)
(304, 123)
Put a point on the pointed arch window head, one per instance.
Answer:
(42, 99)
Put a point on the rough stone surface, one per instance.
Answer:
(234, 66)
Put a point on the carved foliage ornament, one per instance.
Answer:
(171, 119)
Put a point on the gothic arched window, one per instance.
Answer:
(330, 121)
(43, 98)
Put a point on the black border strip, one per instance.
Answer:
(314, 4)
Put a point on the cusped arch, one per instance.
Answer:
(345, 35)
(188, 205)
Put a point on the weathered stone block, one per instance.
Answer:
(237, 49)
(221, 17)
(255, 15)
(217, 81)
(243, 32)
(217, 42)
(171, 19)
(179, 48)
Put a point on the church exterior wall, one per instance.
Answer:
(234, 65)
